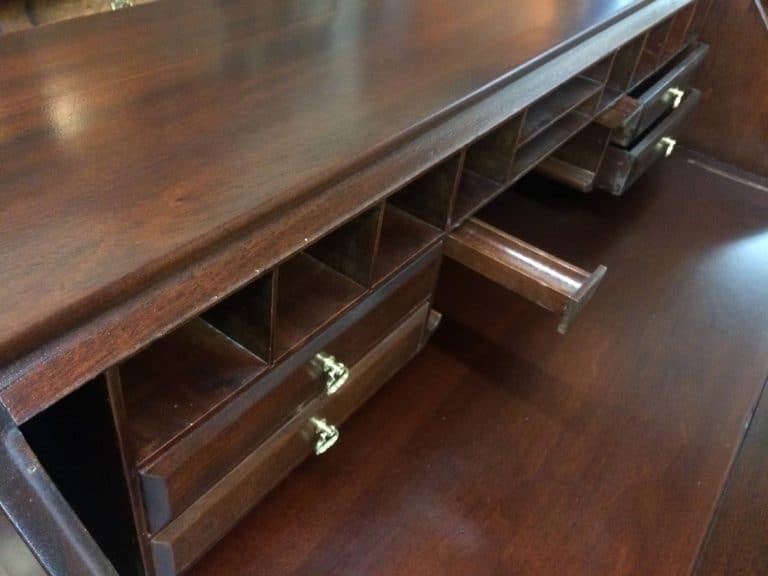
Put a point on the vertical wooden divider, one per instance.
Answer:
(351, 248)
(493, 155)
(248, 316)
(127, 456)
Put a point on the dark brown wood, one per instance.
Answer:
(522, 268)
(621, 168)
(653, 53)
(310, 294)
(732, 122)
(736, 543)
(175, 383)
(654, 101)
(625, 63)
(234, 426)
(352, 248)
(248, 316)
(430, 197)
(503, 450)
(557, 104)
(403, 238)
(126, 446)
(492, 155)
(474, 192)
(177, 546)
(46, 522)
(248, 166)
(537, 149)
(578, 161)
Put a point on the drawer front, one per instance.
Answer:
(620, 168)
(660, 98)
(189, 536)
(183, 472)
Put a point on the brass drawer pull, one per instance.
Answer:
(120, 4)
(327, 435)
(669, 144)
(678, 96)
(336, 373)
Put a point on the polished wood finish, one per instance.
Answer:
(503, 450)
(736, 543)
(243, 418)
(732, 122)
(175, 383)
(621, 168)
(522, 268)
(236, 192)
(655, 100)
(176, 547)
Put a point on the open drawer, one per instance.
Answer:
(522, 268)
(620, 168)
(637, 112)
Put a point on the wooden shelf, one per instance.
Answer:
(566, 173)
(403, 237)
(475, 191)
(545, 112)
(547, 142)
(178, 380)
(310, 295)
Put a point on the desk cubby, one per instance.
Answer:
(174, 383)
(557, 104)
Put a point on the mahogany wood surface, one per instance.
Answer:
(738, 540)
(504, 449)
(143, 157)
(184, 540)
(732, 121)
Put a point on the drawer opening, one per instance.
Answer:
(174, 383)
(538, 276)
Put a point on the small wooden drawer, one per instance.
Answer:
(620, 168)
(637, 112)
(206, 521)
(210, 446)
(522, 268)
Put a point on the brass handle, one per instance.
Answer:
(327, 435)
(669, 144)
(336, 373)
(120, 4)
(678, 96)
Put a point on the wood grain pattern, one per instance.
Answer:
(186, 189)
(736, 544)
(181, 543)
(515, 452)
(732, 122)
(550, 282)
